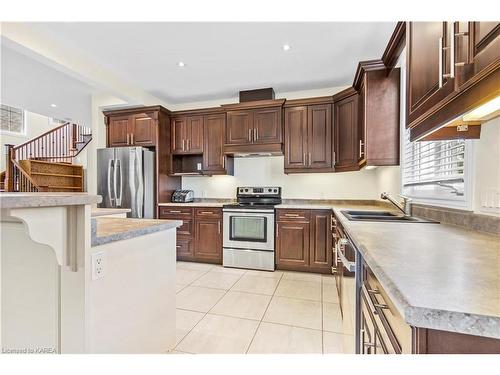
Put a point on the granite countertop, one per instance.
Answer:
(98, 211)
(438, 276)
(200, 203)
(24, 200)
(111, 229)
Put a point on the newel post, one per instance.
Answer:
(9, 168)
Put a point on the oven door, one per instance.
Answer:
(249, 230)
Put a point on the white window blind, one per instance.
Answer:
(11, 119)
(435, 169)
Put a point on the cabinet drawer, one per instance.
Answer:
(171, 211)
(391, 323)
(208, 212)
(184, 248)
(293, 215)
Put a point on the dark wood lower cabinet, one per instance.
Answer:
(383, 330)
(208, 240)
(199, 238)
(303, 240)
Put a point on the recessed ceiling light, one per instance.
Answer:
(286, 47)
(181, 64)
(53, 105)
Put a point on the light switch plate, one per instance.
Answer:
(98, 265)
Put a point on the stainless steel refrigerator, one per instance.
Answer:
(126, 179)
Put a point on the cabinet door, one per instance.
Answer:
(346, 134)
(213, 139)
(208, 240)
(185, 248)
(295, 137)
(143, 130)
(361, 143)
(292, 245)
(424, 57)
(320, 258)
(319, 129)
(118, 131)
(239, 127)
(178, 135)
(194, 136)
(267, 125)
(485, 44)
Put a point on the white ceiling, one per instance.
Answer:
(224, 58)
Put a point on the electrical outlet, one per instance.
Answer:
(98, 265)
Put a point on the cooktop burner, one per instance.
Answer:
(254, 198)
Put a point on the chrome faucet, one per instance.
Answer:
(406, 207)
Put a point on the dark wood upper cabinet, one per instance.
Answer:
(142, 130)
(117, 130)
(443, 84)
(138, 129)
(428, 67)
(194, 139)
(345, 112)
(187, 135)
(295, 138)
(214, 160)
(319, 136)
(308, 137)
(378, 111)
(267, 125)
(239, 128)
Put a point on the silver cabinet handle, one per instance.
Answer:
(218, 226)
(277, 231)
(178, 246)
(451, 49)
(461, 34)
(333, 158)
(175, 212)
(206, 212)
(292, 215)
(440, 67)
(310, 159)
(361, 151)
(131, 138)
(128, 136)
(183, 145)
(250, 135)
(255, 134)
(305, 159)
(188, 144)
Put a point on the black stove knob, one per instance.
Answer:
(275, 190)
(246, 190)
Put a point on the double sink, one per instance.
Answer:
(385, 216)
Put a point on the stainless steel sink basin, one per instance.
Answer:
(384, 216)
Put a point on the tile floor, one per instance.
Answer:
(225, 310)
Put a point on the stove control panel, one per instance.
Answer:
(273, 191)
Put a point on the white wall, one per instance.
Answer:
(268, 171)
(486, 185)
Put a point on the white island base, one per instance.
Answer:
(50, 302)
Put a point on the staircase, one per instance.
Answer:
(45, 163)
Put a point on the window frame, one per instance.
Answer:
(23, 133)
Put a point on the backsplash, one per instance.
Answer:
(268, 171)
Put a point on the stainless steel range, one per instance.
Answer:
(248, 240)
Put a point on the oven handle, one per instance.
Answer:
(351, 266)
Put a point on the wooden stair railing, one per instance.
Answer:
(58, 145)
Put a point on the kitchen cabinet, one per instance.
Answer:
(345, 114)
(378, 114)
(383, 329)
(136, 129)
(187, 135)
(214, 159)
(452, 68)
(199, 238)
(303, 240)
(308, 137)
(254, 127)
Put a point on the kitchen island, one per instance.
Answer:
(58, 296)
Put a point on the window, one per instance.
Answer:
(437, 171)
(12, 120)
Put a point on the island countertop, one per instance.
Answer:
(439, 276)
(25, 200)
(110, 229)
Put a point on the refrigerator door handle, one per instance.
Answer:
(118, 165)
(111, 165)
(140, 188)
